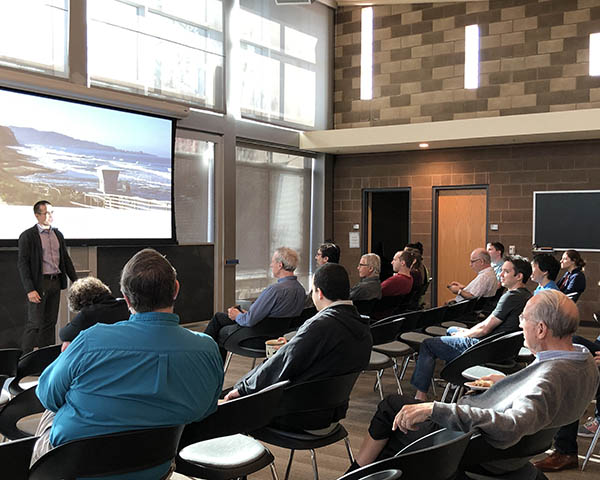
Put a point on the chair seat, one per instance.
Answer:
(436, 331)
(4, 396)
(29, 424)
(299, 440)
(414, 339)
(478, 371)
(232, 451)
(379, 361)
(452, 323)
(393, 349)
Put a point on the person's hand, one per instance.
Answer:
(233, 313)
(411, 415)
(34, 297)
(64, 346)
(231, 395)
(494, 378)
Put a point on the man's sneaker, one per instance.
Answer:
(589, 428)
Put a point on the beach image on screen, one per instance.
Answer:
(108, 173)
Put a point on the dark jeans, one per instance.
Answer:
(565, 440)
(41, 317)
(219, 328)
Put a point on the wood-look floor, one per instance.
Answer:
(333, 460)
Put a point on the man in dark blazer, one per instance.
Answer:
(44, 265)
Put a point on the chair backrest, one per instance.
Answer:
(33, 363)
(24, 404)
(365, 307)
(250, 341)
(480, 451)
(499, 349)
(433, 457)
(9, 357)
(457, 310)
(116, 453)
(242, 415)
(386, 331)
(390, 474)
(432, 316)
(15, 457)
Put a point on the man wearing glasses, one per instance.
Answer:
(484, 284)
(44, 265)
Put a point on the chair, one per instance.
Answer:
(435, 457)
(214, 447)
(309, 398)
(430, 317)
(112, 454)
(591, 449)
(9, 357)
(389, 474)
(33, 364)
(365, 307)
(20, 406)
(250, 341)
(15, 457)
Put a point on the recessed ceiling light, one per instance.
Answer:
(423, 145)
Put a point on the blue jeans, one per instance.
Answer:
(446, 348)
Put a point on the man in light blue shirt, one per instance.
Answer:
(544, 269)
(141, 373)
(283, 299)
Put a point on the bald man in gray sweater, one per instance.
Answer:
(546, 394)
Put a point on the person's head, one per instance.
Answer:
(402, 261)
(544, 266)
(284, 262)
(43, 212)
(149, 282)
(369, 265)
(330, 283)
(496, 251)
(328, 253)
(548, 319)
(418, 262)
(515, 272)
(415, 246)
(86, 291)
(479, 259)
(571, 260)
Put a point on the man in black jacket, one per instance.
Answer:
(336, 341)
(44, 265)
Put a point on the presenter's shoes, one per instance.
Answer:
(589, 428)
(556, 462)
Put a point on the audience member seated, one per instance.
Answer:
(327, 253)
(417, 248)
(517, 405)
(496, 251)
(484, 284)
(283, 299)
(94, 303)
(505, 318)
(544, 269)
(565, 454)
(369, 286)
(573, 281)
(142, 373)
(334, 342)
(401, 282)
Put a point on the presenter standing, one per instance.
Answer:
(44, 265)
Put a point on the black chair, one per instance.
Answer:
(433, 457)
(365, 307)
(33, 364)
(430, 317)
(214, 448)
(15, 457)
(112, 454)
(9, 357)
(389, 474)
(20, 406)
(500, 347)
(250, 341)
(308, 398)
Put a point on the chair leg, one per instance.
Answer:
(395, 368)
(349, 449)
(591, 449)
(227, 361)
(273, 471)
(289, 465)
(313, 457)
(253, 363)
(433, 388)
(446, 390)
(379, 373)
(404, 367)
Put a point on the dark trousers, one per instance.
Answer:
(219, 328)
(381, 425)
(40, 329)
(565, 440)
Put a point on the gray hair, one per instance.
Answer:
(287, 257)
(372, 260)
(484, 255)
(557, 311)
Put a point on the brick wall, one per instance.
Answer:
(533, 58)
(512, 173)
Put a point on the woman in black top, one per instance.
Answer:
(573, 281)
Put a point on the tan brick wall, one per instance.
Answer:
(533, 58)
(511, 172)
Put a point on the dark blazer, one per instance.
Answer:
(30, 260)
(573, 282)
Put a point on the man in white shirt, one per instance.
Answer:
(484, 284)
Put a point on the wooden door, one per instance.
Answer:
(461, 227)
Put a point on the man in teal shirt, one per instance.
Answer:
(141, 373)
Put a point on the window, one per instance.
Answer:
(169, 49)
(33, 35)
(366, 54)
(595, 54)
(194, 188)
(472, 56)
(273, 210)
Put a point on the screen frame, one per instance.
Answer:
(89, 242)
